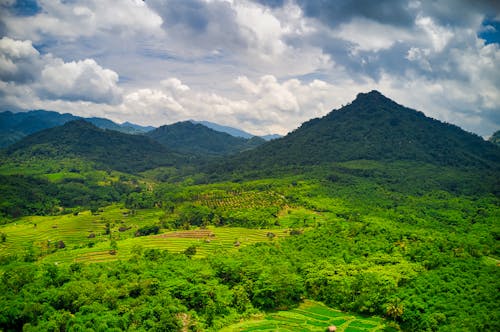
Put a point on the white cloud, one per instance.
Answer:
(79, 80)
(69, 20)
(368, 35)
(24, 67)
(19, 60)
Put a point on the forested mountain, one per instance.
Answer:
(198, 139)
(376, 128)
(14, 126)
(495, 138)
(108, 148)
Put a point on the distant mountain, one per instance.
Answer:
(138, 128)
(376, 128)
(198, 139)
(14, 126)
(495, 138)
(108, 148)
(270, 137)
(234, 131)
(224, 129)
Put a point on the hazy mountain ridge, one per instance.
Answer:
(14, 126)
(234, 131)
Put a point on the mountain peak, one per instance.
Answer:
(374, 127)
(373, 97)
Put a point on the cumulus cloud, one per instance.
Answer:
(65, 20)
(19, 60)
(80, 80)
(22, 67)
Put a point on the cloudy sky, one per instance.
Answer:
(261, 65)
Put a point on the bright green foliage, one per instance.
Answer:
(311, 316)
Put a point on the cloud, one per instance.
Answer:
(19, 60)
(22, 66)
(80, 80)
(63, 20)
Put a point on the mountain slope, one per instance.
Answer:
(108, 148)
(14, 126)
(495, 138)
(234, 131)
(374, 127)
(198, 139)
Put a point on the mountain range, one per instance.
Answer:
(109, 149)
(15, 126)
(372, 127)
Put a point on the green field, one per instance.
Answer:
(43, 233)
(311, 316)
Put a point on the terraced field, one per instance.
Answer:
(311, 316)
(84, 236)
(206, 241)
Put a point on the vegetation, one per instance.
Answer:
(376, 128)
(15, 126)
(495, 138)
(188, 137)
(365, 244)
(107, 148)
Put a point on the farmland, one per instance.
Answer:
(311, 316)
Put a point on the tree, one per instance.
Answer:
(395, 309)
(190, 251)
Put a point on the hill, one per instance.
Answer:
(198, 139)
(234, 131)
(108, 148)
(224, 129)
(15, 126)
(374, 127)
(495, 138)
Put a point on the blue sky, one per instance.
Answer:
(261, 65)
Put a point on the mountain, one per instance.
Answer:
(495, 138)
(270, 137)
(376, 128)
(14, 126)
(107, 148)
(224, 129)
(138, 128)
(198, 139)
(234, 131)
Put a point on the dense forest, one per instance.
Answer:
(396, 224)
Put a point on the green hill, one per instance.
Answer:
(15, 126)
(107, 148)
(194, 138)
(374, 127)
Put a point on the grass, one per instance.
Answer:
(311, 316)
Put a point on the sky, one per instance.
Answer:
(264, 66)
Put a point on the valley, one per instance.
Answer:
(372, 218)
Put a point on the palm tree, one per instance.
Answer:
(395, 309)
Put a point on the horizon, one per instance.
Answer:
(262, 66)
